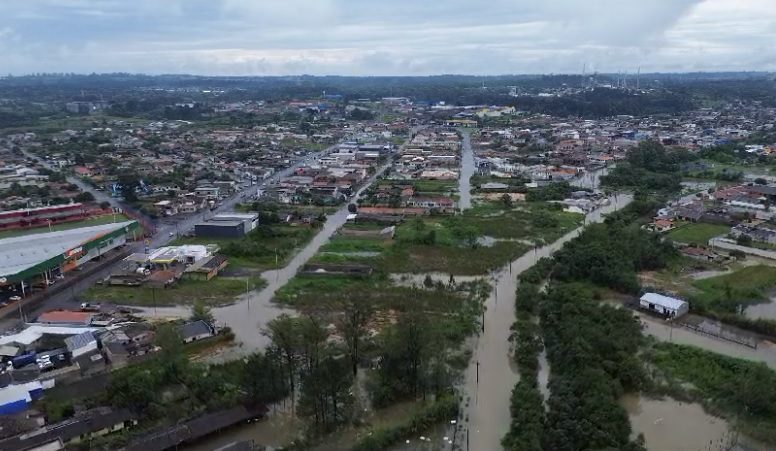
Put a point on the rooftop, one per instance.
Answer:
(23, 252)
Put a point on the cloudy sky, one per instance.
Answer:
(386, 37)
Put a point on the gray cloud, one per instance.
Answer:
(384, 37)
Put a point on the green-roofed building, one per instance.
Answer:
(45, 256)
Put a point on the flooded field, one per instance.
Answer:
(668, 424)
(662, 330)
(253, 311)
(491, 373)
(766, 310)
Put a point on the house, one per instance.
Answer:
(699, 253)
(66, 318)
(691, 212)
(661, 225)
(82, 428)
(197, 330)
(664, 305)
(431, 202)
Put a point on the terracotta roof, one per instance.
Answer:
(66, 316)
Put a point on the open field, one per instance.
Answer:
(748, 285)
(217, 291)
(99, 220)
(258, 250)
(734, 388)
(697, 233)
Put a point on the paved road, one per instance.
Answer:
(165, 232)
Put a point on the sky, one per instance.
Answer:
(387, 37)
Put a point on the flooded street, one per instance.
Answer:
(765, 352)
(253, 311)
(491, 373)
(468, 167)
(672, 425)
(590, 179)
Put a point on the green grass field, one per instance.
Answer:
(748, 285)
(697, 233)
(217, 291)
(100, 220)
(258, 250)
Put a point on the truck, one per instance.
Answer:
(24, 360)
(87, 307)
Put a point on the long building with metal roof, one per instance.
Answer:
(25, 257)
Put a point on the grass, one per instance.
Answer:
(737, 389)
(99, 220)
(217, 291)
(450, 244)
(350, 244)
(258, 249)
(748, 285)
(456, 310)
(697, 233)
(453, 260)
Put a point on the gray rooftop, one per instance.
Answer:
(22, 252)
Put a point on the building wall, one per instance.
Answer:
(215, 230)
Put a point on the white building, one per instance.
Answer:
(664, 305)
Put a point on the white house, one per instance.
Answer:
(664, 305)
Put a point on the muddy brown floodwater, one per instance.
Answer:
(468, 166)
(668, 424)
(491, 373)
(249, 316)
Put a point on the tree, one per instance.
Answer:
(506, 200)
(263, 378)
(85, 196)
(283, 333)
(352, 208)
(353, 327)
(172, 356)
(201, 312)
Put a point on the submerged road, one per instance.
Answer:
(468, 167)
(249, 316)
(491, 375)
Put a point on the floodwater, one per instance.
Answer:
(279, 429)
(672, 425)
(543, 378)
(410, 279)
(665, 331)
(589, 179)
(467, 170)
(765, 310)
(249, 316)
(491, 373)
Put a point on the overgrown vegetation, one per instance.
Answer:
(649, 167)
(217, 291)
(592, 350)
(742, 391)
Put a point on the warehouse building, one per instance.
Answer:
(228, 225)
(664, 305)
(42, 258)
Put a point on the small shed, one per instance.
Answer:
(197, 330)
(664, 305)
